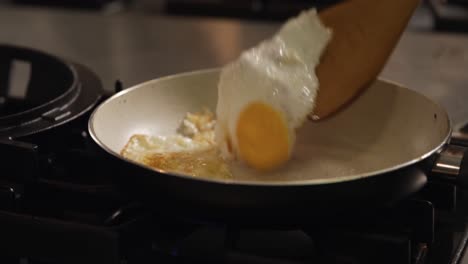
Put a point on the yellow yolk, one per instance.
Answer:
(263, 137)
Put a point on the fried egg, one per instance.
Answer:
(191, 150)
(267, 93)
(263, 98)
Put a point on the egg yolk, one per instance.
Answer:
(262, 137)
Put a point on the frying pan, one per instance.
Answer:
(377, 151)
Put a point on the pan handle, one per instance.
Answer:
(451, 165)
(463, 174)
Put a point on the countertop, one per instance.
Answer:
(135, 47)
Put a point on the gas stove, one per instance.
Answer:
(59, 202)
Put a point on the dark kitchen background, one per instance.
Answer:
(271, 9)
(447, 15)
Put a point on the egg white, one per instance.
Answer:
(279, 72)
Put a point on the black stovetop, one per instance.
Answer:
(59, 204)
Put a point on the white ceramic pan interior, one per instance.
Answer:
(386, 128)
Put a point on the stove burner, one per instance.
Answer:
(39, 91)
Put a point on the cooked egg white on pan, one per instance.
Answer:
(263, 98)
(191, 150)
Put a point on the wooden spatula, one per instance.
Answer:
(365, 32)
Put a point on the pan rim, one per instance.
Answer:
(256, 183)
